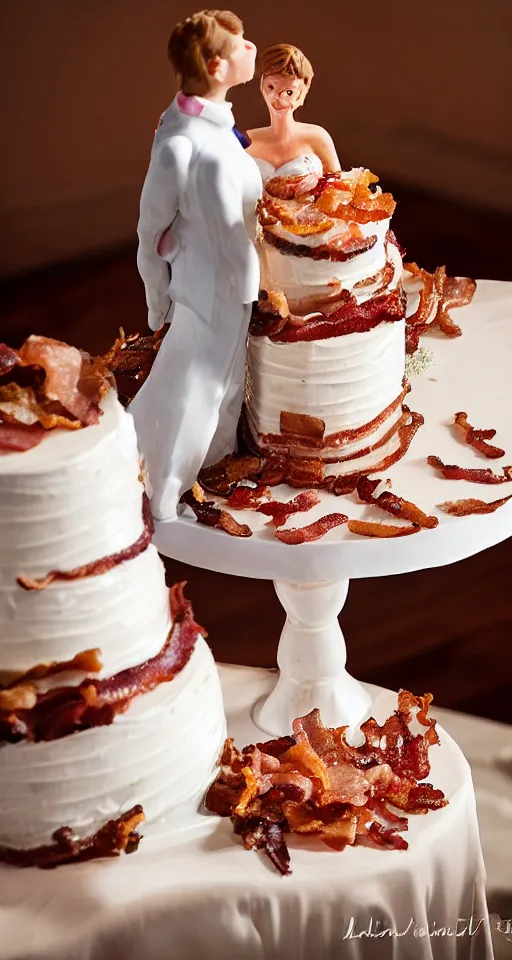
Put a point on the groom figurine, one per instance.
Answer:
(198, 216)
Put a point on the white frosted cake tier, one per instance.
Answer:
(71, 501)
(161, 753)
(301, 277)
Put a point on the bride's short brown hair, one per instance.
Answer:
(283, 59)
(194, 42)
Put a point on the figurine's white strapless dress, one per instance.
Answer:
(299, 166)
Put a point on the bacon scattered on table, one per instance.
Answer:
(316, 783)
(116, 837)
(474, 475)
(372, 528)
(464, 508)
(314, 531)
(279, 512)
(478, 438)
(211, 516)
(62, 711)
(97, 567)
(393, 504)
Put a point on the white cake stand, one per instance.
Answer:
(471, 373)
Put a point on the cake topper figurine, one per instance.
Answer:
(288, 147)
(198, 217)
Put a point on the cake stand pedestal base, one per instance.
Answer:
(311, 658)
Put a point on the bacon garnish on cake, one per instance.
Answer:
(317, 783)
(46, 385)
(43, 715)
(117, 836)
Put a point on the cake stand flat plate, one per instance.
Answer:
(471, 373)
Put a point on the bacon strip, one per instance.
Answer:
(314, 531)
(474, 475)
(116, 837)
(478, 438)
(130, 360)
(350, 317)
(397, 506)
(457, 292)
(368, 528)
(463, 508)
(17, 438)
(345, 249)
(87, 661)
(279, 512)
(211, 516)
(97, 567)
(66, 710)
(248, 498)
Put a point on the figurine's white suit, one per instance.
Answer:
(197, 215)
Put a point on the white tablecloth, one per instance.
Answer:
(203, 896)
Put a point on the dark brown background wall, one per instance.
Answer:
(420, 92)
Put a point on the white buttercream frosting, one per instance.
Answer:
(346, 381)
(74, 499)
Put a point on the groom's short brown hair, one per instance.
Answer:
(194, 42)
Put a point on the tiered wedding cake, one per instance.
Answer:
(109, 697)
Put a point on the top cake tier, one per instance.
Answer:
(324, 236)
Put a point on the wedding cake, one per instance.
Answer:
(110, 705)
(326, 356)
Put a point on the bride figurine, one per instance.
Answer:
(198, 217)
(287, 147)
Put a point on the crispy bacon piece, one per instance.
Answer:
(116, 837)
(339, 249)
(97, 567)
(212, 516)
(478, 438)
(314, 531)
(279, 512)
(262, 834)
(349, 317)
(457, 292)
(247, 498)
(9, 358)
(316, 784)
(47, 384)
(17, 438)
(340, 486)
(285, 188)
(363, 206)
(273, 302)
(87, 662)
(94, 702)
(301, 425)
(431, 293)
(397, 506)
(222, 477)
(265, 324)
(463, 508)
(130, 360)
(474, 475)
(369, 528)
